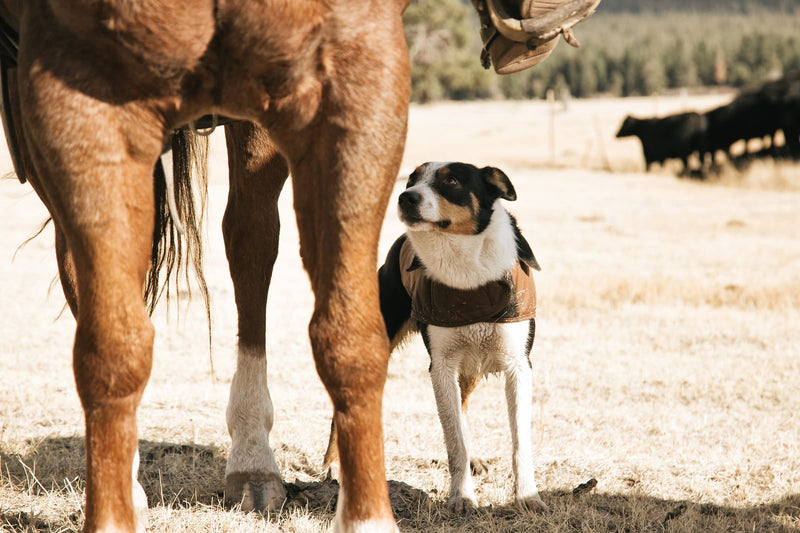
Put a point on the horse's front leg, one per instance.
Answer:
(251, 228)
(339, 227)
(341, 189)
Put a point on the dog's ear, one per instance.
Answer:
(526, 258)
(497, 182)
(524, 251)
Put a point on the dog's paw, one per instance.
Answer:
(478, 466)
(462, 505)
(533, 503)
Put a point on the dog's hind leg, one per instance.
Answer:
(251, 227)
(330, 462)
(468, 384)
(519, 394)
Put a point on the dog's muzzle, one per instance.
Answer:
(408, 205)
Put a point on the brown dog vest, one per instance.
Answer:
(511, 299)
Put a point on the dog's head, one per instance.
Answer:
(453, 197)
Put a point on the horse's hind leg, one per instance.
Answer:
(251, 228)
(99, 187)
(66, 265)
(66, 270)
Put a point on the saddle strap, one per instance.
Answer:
(8, 119)
(9, 39)
(9, 49)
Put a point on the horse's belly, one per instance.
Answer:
(169, 35)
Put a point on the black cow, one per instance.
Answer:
(751, 115)
(756, 114)
(671, 137)
(788, 93)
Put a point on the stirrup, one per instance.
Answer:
(516, 39)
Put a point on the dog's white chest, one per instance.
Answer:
(480, 349)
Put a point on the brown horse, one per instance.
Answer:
(98, 89)
(322, 89)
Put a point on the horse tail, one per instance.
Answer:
(177, 235)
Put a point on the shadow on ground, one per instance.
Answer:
(187, 475)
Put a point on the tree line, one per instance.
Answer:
(623, 53)
(739, 6)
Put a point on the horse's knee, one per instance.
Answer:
(257, 174)
(251, 235)
(251, 224)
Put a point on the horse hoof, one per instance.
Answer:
(478, 467)
(533, 503)
(255, 491)
(462, 505)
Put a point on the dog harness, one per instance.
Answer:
(510, 299)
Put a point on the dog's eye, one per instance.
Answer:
(450, 181)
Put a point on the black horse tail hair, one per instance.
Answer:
(178, 244)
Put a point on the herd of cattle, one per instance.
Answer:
(754, 114)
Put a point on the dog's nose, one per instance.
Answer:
(410, 199)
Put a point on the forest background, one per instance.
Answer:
(628, 48)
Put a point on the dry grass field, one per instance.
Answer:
(667, 357)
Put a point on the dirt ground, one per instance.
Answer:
(666, 360)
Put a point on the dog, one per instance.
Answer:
(461, 277)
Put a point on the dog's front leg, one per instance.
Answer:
(444, 376)
(519, 391)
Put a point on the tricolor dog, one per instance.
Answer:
(461, 276)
